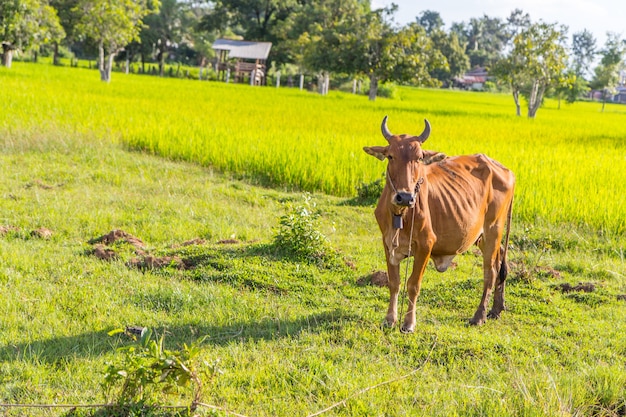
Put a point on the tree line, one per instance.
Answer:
(345, 38)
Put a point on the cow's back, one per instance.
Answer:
(465, 193)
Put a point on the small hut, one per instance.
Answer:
(249, 60)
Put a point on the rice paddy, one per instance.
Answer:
(569, 162)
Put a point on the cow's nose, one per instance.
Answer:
(404, 199)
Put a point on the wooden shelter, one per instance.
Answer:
(249, 60)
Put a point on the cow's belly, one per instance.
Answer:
(442, 263)
(453, 243)
(443, 255)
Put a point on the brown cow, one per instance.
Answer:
(437, 207)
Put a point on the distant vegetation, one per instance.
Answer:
(347, 40)
(569, 164)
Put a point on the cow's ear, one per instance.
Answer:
(431, 157)
(379, 152)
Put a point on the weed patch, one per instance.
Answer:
(299, 236)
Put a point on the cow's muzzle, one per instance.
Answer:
(404, 199)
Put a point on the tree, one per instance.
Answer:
(583, 52)
(345, 36)
(326, 33)
(452, 48)
(486, 38)
(457, 61)
(252, 19)
(606, 76)
(517, 21)
(510, 70)
(431, 21)
(27, 24)
(536, 62)
(419, 58)
(163, 30)
(68, 18)
(112, 25)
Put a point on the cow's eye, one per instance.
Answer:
(389, 157)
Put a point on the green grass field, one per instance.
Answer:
(222, 162)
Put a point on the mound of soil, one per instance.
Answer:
(581, 287)
(6, 229)
(196, 241)
(102, 252)
(116, 235)
(144, 260)
(41, 233)
(228, 242)
(154, 262)
(377, 278)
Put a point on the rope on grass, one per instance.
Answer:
(170, 407)
(215, 407)
(364, 390)
(223, 410)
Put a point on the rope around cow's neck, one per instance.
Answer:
(406, 269)
(396, 238)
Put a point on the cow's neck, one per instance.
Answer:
(399, 239)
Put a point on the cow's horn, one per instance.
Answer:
(426, 133)
(383, 127)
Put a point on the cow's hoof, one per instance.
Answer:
(407, 329)
(477, 321)
(493, 314)
(388, 324)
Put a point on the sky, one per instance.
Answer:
(597, 16)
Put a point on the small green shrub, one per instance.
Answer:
(388, 90)
(147, 368)
(299, 235)
(370, 192)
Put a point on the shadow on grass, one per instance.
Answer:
(58, 350)
(360, 202)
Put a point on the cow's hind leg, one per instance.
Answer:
(498, 296)
(490, 247)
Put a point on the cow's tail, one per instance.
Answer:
(504, 267)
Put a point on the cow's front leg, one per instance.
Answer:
(414, 286)
(393, 274)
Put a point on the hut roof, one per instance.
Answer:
(243, 49)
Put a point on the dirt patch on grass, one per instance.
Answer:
(581, 287)
(41, 233)
(156, 262)
(196, 241)
(40, 184)
(228, 242)
(521, 270)
(8, 229)
(119, 235)
(102, 252)
(376, 278)
(144, 260)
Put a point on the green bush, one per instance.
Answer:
(147, 368)
(299, 235)
(370, 192)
